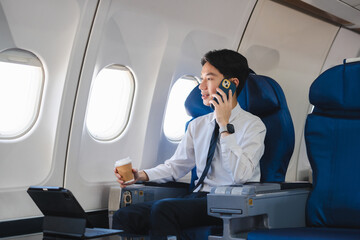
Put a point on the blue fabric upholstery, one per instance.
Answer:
(332, 139)
(333, 150)
(263, 97)
(260, 88)
(332, 135)
(336, 89)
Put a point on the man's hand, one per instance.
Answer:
(138, 176)
(223, 108)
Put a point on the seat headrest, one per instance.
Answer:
(258, 97)
(194, 104)
(264, 100)
(337, 89)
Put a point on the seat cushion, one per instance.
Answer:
(333, 150)
(305, 233)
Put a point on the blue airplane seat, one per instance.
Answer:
(263, 97)
(332, 135)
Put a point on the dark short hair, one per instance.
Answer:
(231, 64)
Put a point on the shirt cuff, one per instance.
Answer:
(150, 174)
(153, 176)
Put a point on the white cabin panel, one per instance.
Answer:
(346, 45)
(290, 47)
(153, 39)
(56, 32)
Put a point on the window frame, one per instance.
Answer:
(132, 81)
(27, 58)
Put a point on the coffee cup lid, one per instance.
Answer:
(122, 162)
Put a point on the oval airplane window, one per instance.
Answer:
(21, 84)
(110, 102)
(175, 115)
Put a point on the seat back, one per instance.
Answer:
(332, 135)
(263, 97)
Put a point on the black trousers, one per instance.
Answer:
(166, 216)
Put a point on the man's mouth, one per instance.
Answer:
(204, 95)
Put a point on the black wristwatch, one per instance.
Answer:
(228, 128)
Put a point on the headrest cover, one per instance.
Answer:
(258, 96)
(194, 104)
(338, 88)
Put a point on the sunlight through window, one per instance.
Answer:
(175, 115)
(21, 82)
(110, 102)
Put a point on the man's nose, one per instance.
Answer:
(202, 85)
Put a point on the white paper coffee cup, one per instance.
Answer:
(124, 168)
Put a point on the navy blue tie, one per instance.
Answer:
(210, 156)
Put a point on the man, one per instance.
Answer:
(238, 150)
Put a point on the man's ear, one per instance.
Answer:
(235, 81)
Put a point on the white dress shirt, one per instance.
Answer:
(236, 158)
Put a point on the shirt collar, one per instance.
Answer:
(234, 112)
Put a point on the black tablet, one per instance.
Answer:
(63, 215)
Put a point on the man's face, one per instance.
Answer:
(210, 80)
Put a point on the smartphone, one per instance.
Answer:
(225, 85)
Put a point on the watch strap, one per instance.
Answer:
(228, 128)
(223, 129)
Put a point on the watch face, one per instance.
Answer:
(230, 128)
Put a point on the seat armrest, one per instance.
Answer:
(167, 184)
(257, 205)
(143, 192)
(284, 185)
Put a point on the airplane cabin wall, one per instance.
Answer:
(225, 31)
(294, 48)
(290, 47)
(160, 41)
(56, 32)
